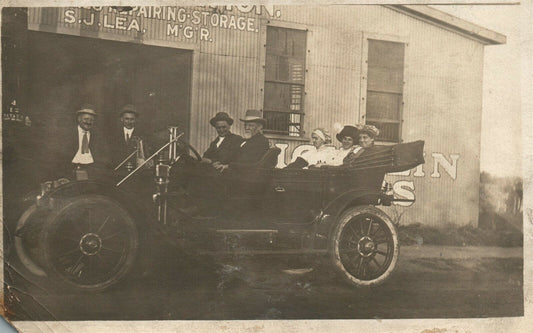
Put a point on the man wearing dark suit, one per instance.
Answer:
(212, 187)
(126, 138)
(84, 150)
(255, 144)
(226, 145)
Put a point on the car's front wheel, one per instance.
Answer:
(364, 246)
(90, 243)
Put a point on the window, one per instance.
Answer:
(384, 96)
(284, 81)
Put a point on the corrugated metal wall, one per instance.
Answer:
(442, 92)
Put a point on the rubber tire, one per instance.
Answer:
(22, 253)
(344, 219)
(49, 231)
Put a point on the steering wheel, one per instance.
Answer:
(197, 156)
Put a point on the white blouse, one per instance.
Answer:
(324, 154)
(342, 153)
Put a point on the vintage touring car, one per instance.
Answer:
(86, 234)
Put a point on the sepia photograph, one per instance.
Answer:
(265, 165)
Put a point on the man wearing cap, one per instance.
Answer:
(85, 149)
(127, 136)
(255, 144)
(226, 145)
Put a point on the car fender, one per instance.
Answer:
(130, 202)
(335, 207)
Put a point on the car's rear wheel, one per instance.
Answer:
(90, 243)
(364, 246)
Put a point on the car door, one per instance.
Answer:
(295, 196)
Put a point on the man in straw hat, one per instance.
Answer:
(255, 144)
(84, 150)
(226, 145)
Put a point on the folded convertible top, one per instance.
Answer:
(395, 158)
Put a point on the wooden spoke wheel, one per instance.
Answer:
(90, 243)
(364, 246)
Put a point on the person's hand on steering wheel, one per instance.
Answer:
(220, 167)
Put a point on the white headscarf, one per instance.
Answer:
(323, 134)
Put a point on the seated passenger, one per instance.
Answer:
(226, 145)
(348, 138)
(321, 155)
(210, 189)
(367, 136)
(254, 146)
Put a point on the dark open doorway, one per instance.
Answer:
(67, 71)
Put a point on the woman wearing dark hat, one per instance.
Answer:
(348, 138)
(367, 136)
(226, 145)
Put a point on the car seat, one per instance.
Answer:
(269, 159)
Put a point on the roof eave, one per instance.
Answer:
(452, 23)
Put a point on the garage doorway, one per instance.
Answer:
(67, 71)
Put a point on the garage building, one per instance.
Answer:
(413, 71)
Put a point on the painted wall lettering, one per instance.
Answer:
(450, 168)
(404, 189)
(281, 157)
(186, 22)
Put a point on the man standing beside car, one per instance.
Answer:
(85, 151)
(127, 138)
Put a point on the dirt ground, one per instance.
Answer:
(429, 282)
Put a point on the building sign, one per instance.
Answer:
(13, 114)
(187, 22)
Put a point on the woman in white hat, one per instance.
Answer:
(321, 154)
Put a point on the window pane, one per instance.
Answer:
(385, 87)
(277, 122)
(279, 68)
(296, 43)
(387, 131)
(284, 80)
(383, 105)
(283, 97)
(286, 42)
(385, 66)
(383, 79)
(385, 54)
(277, 96)
(296, 70)
(276, 68)
(276, 41)
(283, 123)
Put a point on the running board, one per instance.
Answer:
(246, 231)
(265, 252)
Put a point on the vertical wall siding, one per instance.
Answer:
(442, 96)
(442, 92)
